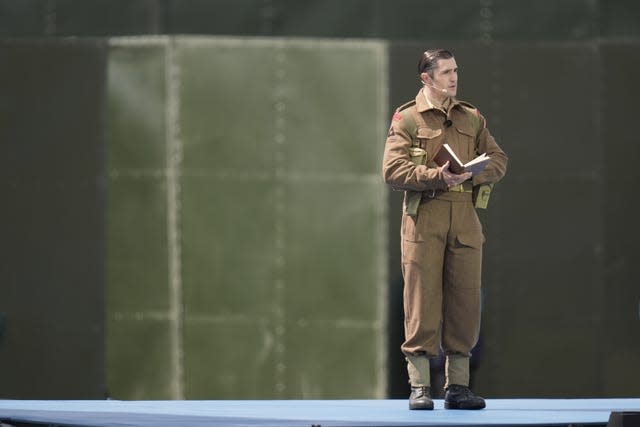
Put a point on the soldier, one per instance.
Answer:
(441, 235)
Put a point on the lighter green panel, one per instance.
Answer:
(229, 358)
(136, 108)
(334, 360)
(335, 222)
(138, 363)
(282, 217)
(280, 225)
(136, 217)
(334, 101)
(137, 271)
(137, 342)
(334, 250)
(227, 104)
(227, 247)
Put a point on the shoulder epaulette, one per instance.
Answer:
(405, 106)
(469, 106)
(475, 113)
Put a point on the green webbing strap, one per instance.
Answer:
(418, 156)
(412, 202)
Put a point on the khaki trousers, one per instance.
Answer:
(441, 266)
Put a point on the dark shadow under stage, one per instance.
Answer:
(301, 413)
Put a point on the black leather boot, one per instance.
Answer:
(460, 397)
(420, 398)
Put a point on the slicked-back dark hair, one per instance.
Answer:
(429, 60)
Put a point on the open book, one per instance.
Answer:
(475, 166)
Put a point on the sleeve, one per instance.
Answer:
(497, 166)
(397, 168)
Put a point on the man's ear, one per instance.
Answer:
(426, 79)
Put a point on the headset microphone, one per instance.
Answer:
(435, 87)
(440, 89)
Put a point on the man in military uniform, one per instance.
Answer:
(441, 235)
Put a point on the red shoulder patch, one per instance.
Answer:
(397, 116)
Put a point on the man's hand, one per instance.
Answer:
(451, 178)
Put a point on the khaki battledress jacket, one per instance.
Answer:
(442, 241)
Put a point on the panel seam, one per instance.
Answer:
(174, 153)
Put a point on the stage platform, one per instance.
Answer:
(308, 413)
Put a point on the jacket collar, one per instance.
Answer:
(423, 104)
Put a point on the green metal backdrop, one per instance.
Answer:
(183, 216)
(247, 219)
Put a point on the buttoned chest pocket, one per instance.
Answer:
(430, 140)
(465, 143)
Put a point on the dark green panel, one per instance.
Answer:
(227, 17)
(52, 174)
(542, 271)
(542, 20)
(556, 293)
(543, 364)
(487, 20)
(431, 20)
(138, 357)
(544, 135)
(105, 17)
(398, 20)
(329, 18)
(619, 62)
(41, 84)
(621, 311)
(570, 218)
(543, 257)
(23, 18)
(619, 18)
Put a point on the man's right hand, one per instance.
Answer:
(451, 178)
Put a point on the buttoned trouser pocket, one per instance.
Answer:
(441, 258)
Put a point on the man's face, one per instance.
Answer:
(445, 76)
